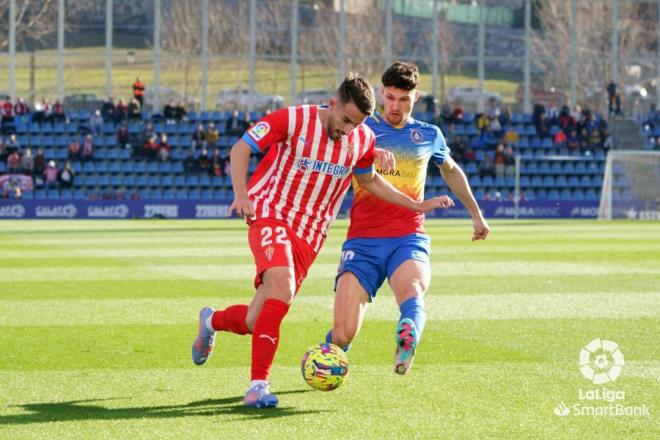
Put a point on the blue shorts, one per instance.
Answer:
(373, 259)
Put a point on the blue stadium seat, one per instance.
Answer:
(585, 182)
(566, 195)
(487, 181)
(548, 181)
(544, 168)
(573, 181)
(560, 182)
(553, 194)
(182, 194)
(578, 195)
(555, 168)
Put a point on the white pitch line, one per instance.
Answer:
(309, 308)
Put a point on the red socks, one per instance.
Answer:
(231, 319)
(266, 337)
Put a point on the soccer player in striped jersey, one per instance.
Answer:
(385, 241)
(289, 202)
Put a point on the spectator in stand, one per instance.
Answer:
(566, 121)
(14, 162)
(446, 115)
(51, 175)
(499, 161)
(180, 111)
(38, 115)
(495, 124)
(595, 141)
(203, 162)
(12, 145)
(66, 176)
(211, 136)
(74, 149)
(217, 163)
(150, 147)
(12, 189)
(458, 113)
(7, 113)
(486, 166)
(96, 123)
(457, 147)
(133, 110)
(138, 92)
(490, 137)
(511, 136)
(573, 140)
(189, 163)
(559, 139)
(227, 168)
(47, 110)
(58, 112)
(108, 110)
(121, 111)
(3, 152)
(199, 137)
(169, 112)
(510, 163)
(237, 125)
(483, 122)
(469, 154)
(493, 109)
(27, 162)
(87, 148)
(611, 97)
(21, 108)
(543, 126)
(39, 163)
(163, 148)
(505, 116)
(576, 114)
(584, 138)
(123, 137)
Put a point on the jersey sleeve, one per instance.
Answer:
(365, 164)
(440, 148)
(270, 130)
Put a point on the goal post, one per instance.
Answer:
(631, 185)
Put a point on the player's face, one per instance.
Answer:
(398, 104)
(342, 118)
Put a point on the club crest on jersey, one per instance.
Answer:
(351, 150)
(259, 131)
(269, 251)
(416, 136)
(307, 165)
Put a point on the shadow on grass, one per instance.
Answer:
(80, 410)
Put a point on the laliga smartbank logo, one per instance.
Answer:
(601, 361)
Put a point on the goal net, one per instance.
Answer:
(631, 186)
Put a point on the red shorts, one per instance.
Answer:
(274, 244)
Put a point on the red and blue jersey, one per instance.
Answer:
(413, 145)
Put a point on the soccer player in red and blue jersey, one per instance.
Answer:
(311, 154)
(386, 241)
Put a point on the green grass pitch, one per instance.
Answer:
(97, 319)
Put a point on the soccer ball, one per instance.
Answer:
(324, 367)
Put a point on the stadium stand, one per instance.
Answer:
(118, 171)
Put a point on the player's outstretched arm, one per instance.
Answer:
(382, 189)
(455, 178)
(239, 159)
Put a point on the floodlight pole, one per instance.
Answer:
(527, 102)
(156, 55)
(294, 50)
(205, 52)
(573, 52)
(12, 48)
(342, 42)
(434, 51)
(252, 52)
(481, 54)
(60, 49)
(108, 48)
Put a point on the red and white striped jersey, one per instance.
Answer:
(304, 176)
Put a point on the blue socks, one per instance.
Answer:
(328, 339)
(413, 309)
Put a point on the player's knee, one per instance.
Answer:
(416, 288)
(281, 285)
(342, 336)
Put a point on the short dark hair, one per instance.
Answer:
(357, 89)
(404, 76)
